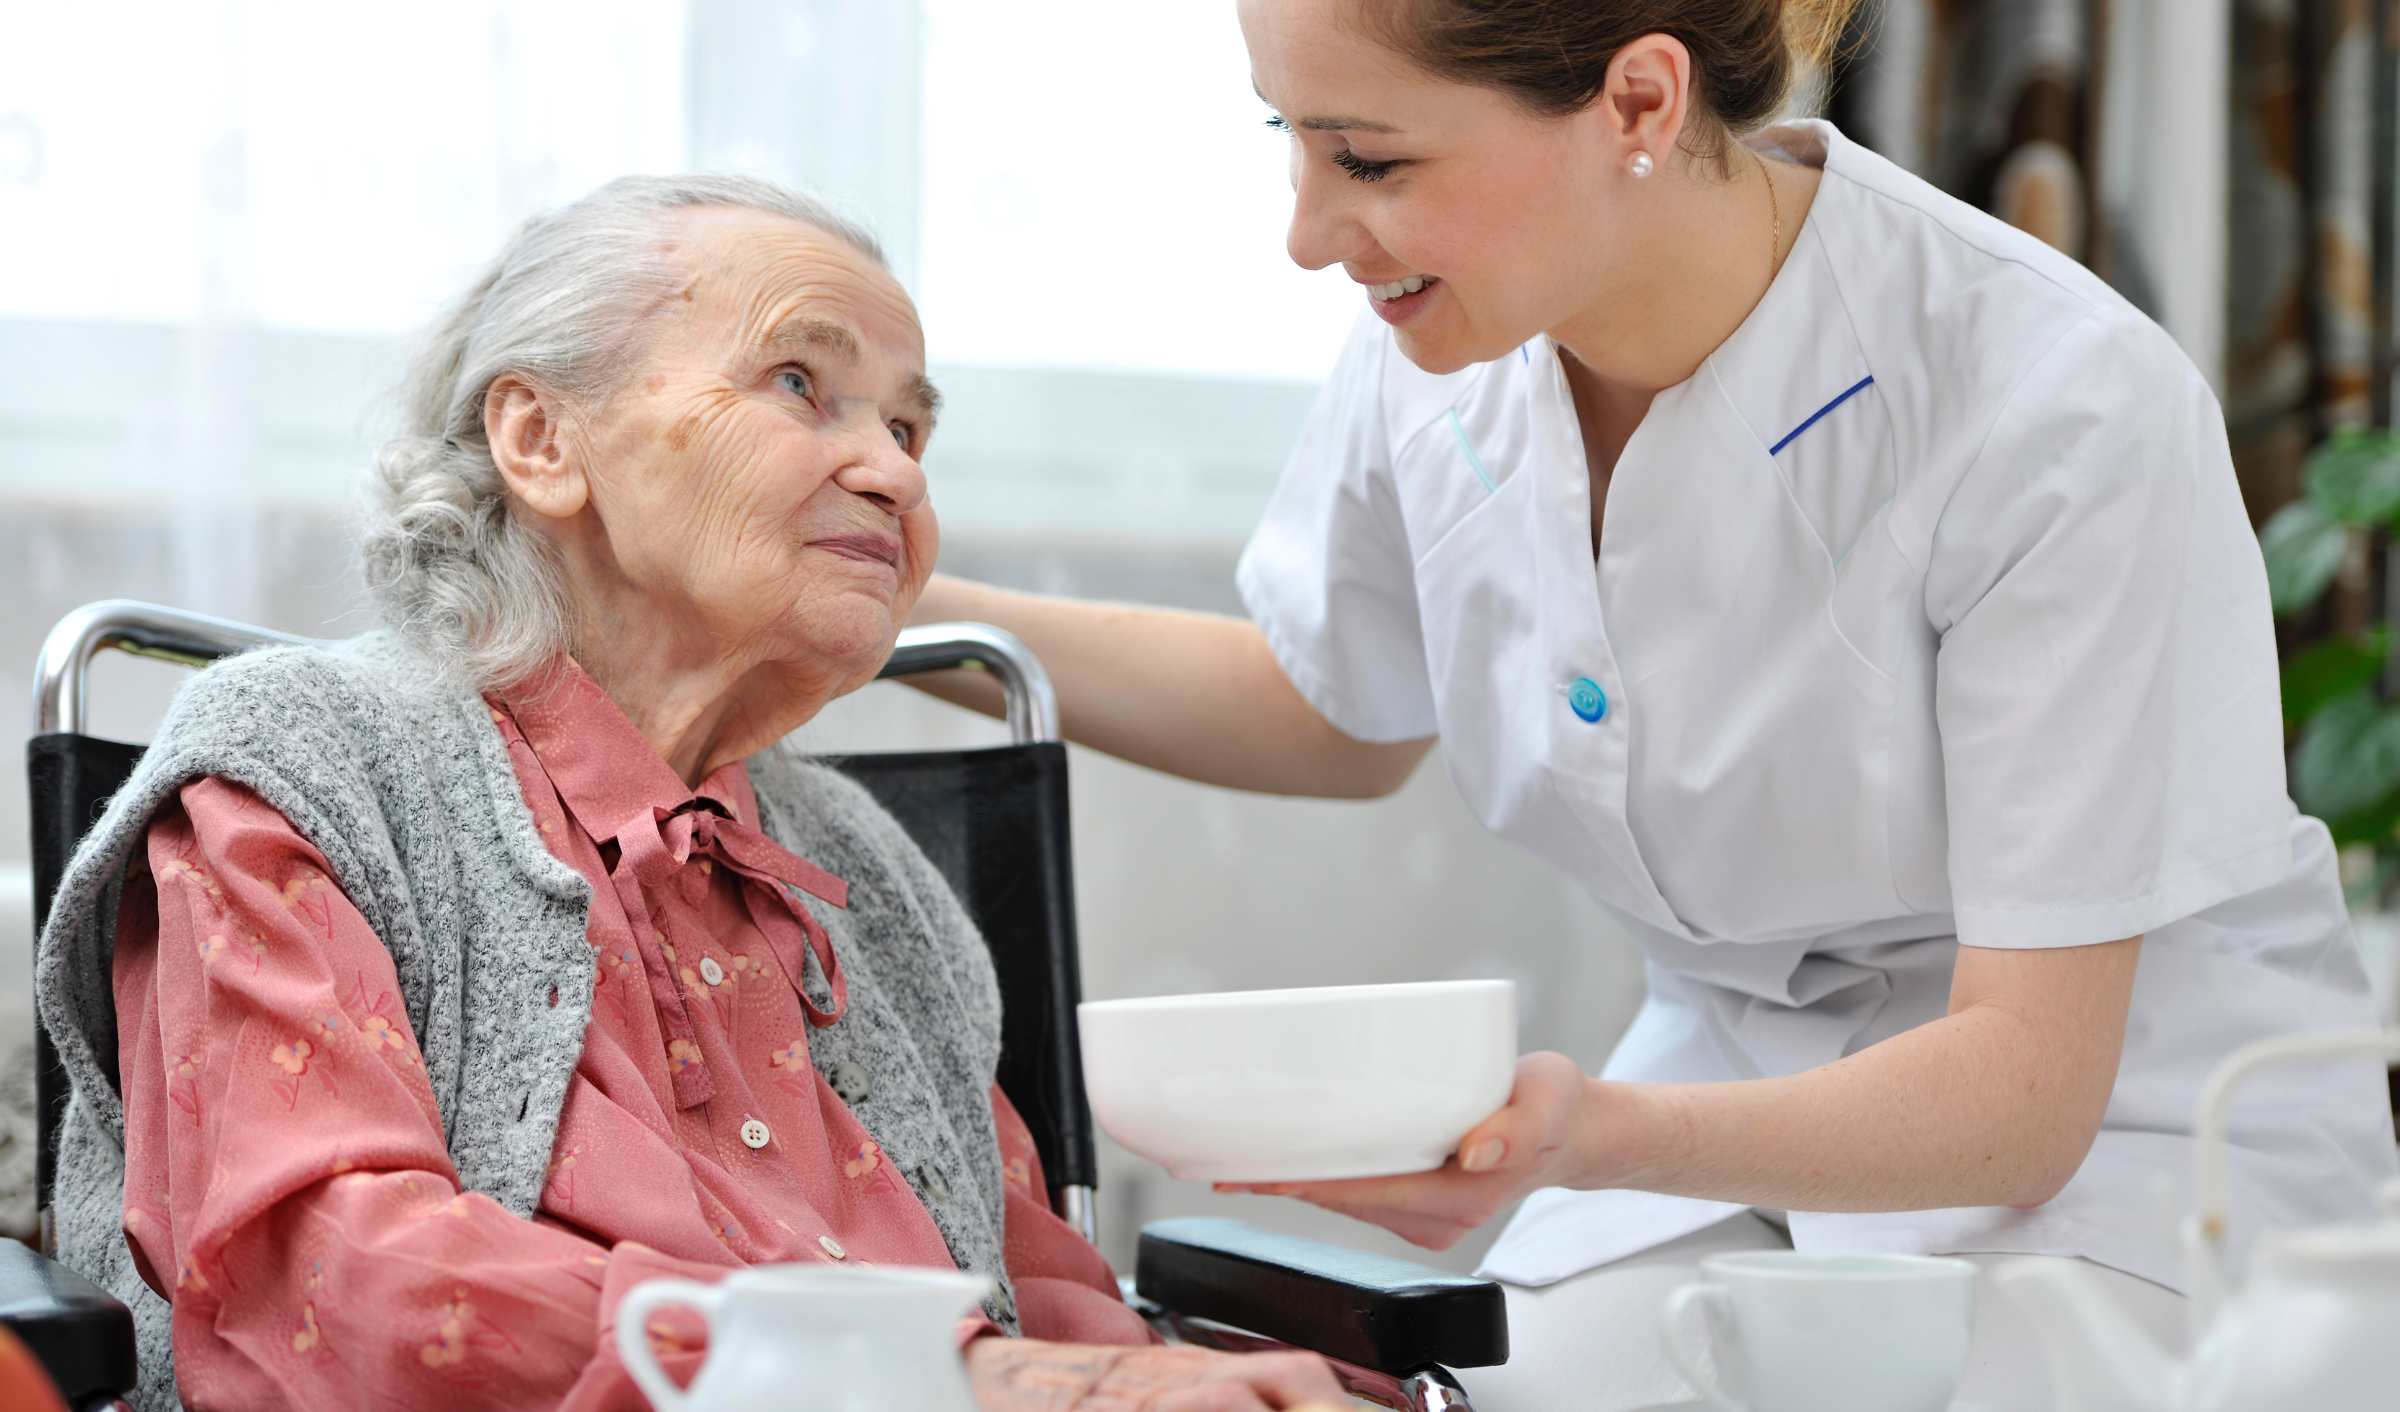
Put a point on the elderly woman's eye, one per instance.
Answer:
(900, 434)
(795, 380)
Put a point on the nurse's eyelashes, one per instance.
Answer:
(1360, 167)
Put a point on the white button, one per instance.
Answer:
(711, 972)
(833, 1247)
(755, 1133)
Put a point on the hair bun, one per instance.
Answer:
(1552, 56)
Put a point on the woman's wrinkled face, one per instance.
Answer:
(1471, 224)
(757, 478)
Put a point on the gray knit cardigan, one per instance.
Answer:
(406, 788)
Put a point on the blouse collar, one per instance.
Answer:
(603, 768)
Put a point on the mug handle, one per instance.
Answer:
(633, 1333)
(1671, 1320)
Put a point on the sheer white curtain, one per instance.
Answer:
(220, 213)
(215, 218)
(1101, 192)
(313, 166)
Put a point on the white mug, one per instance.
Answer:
(1809, 1331)
(831, 1338)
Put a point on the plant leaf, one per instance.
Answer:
(2355, 475)
(2303, 546)
(2347, 769)
(2332, 668)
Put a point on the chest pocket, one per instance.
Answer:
(1759, 777)
(1472, 438)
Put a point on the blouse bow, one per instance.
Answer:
(654, 844)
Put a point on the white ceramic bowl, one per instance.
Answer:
(1301, 1085)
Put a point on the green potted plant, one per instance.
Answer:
(2346, 765)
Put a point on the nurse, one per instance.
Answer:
(1849, 591)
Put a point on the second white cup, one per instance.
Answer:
(1804, 1331)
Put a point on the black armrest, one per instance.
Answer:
(81, 1334)
(1394, 1316)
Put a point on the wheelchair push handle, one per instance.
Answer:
(1032, 705)
(61, 680)
(62, 693)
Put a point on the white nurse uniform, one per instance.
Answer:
(1926, 613)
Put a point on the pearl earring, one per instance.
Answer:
(1640, 165)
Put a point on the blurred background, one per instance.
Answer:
(219, 219)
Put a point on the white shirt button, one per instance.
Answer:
(711, 972)
(755, 1134)
(833, 1247)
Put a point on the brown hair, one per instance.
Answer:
(1552, 56)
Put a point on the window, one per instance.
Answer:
(207, 261)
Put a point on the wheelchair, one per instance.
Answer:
(994, 822)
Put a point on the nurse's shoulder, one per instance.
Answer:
(1985, 342)
(1980, 273)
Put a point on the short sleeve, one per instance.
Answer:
(2106, 688)
(1328, 575)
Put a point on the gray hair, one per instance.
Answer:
(450, 566)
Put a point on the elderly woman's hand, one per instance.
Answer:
(1014, 1375)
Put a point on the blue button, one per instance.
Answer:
(1589, 701)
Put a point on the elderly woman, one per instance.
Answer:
(424, 993)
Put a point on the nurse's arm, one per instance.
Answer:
(1193, 694)
(1995, 1104)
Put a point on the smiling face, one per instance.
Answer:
(753, 491)
(1473, 224)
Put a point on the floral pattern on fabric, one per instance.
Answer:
(282, 1139)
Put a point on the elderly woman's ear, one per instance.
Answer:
(526, 427)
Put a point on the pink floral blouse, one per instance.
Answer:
(288, 1186)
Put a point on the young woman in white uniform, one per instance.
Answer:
(1850, 591)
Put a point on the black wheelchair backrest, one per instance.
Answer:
(994, 821)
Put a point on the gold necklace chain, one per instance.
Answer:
(1775, 208)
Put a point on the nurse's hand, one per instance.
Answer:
(1995, 1104)
(1554, 1120)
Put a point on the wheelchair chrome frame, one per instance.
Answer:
(62, 680)
(1032, 706)
(62, 696)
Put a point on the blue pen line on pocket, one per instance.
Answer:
(1472, 459)
(1855, 388)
